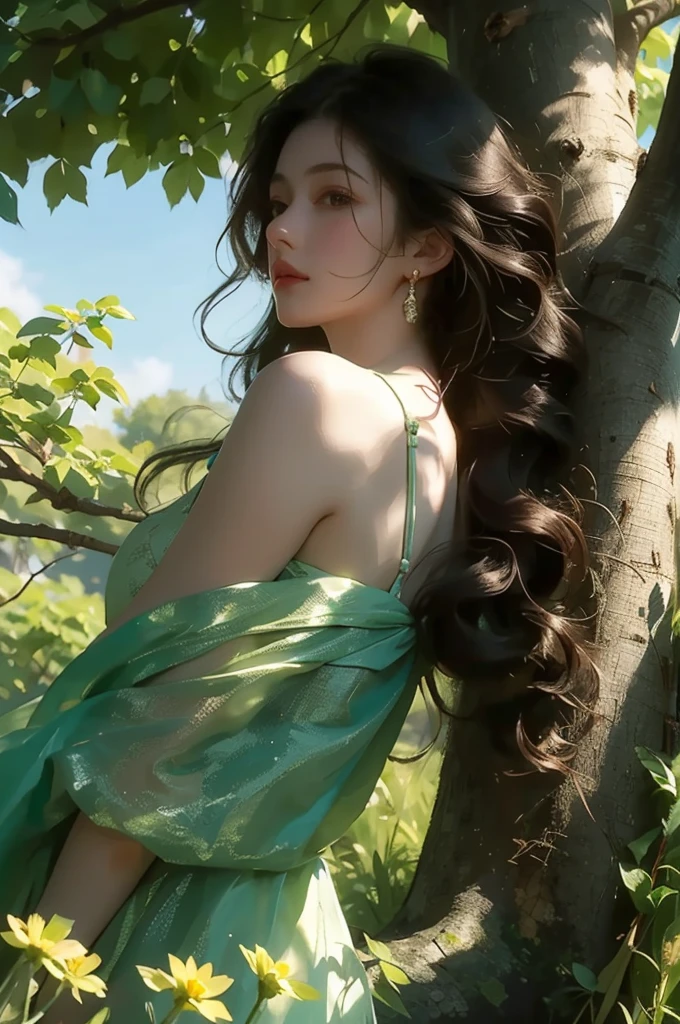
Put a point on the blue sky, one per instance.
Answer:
(160, 262)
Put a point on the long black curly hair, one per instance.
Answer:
(508, 354)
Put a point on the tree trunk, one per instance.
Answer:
(515, 877)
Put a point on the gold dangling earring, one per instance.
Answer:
(410, 304)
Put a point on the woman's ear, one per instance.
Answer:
(434, 252)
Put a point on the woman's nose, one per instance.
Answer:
(284, 228)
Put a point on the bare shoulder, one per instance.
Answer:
(324, 370)
(328, 386)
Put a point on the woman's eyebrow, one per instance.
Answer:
(316, 168)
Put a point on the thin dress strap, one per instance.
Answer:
(411, 426)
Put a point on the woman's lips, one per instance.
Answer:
(284, 280)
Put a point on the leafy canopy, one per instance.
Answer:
(162, 86)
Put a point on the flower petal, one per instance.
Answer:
(303, 990)
(204, 973)
(265, 964)
(217, 985)
(286, 987)
(191, 968)
(177, 968)
(19, 928)
(76, 994)
(87, 964)
(55, 967)
(57, 928)
(91, 984)
(282, 969)
(34, 929)
(211, 1009)
(250, 957)
(155, 978)
(12, 940)
(67, 949)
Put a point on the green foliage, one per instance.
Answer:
(642, 982)
(160, 420)
(651, 80)
(41, 632)
(374, 862)
(171, 88)
(39, 389)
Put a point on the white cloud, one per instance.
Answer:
(16, 288)
(150, 376)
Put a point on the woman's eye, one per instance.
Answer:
(345, 198)
(342, 195)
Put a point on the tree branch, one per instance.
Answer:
(63, 499)
(32, 576)
(119, 16)
(68, 537)
(632, 27)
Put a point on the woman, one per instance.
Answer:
(266, 632)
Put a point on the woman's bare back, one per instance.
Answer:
(363, 539)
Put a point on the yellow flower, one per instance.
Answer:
(79, 976)
(42, 943)
(274, 978)
(192, 986)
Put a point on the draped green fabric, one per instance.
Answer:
(237, 778)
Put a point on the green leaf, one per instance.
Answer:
(584, 977)
(378, 949)
(658, 769)
(103, 96)
(124, 464)
(119, 312)
(106, 301)
(207, 162)
(626, 1015)
(45, 348)
(154, 90)
(90, 395)
(34, 393)
(639, 885)
(101, 1016)
(176, 180)
(102, 333)
(19, 352)
(659, 894)
(196, 183)
(81, 340)
(640, 846)
(673, 820)
(493, 991)
(9, 207)
(384, 992)
(63, 179)
(394, 975)
(41, 325)
(65, 384)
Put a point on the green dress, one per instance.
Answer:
(236, 780)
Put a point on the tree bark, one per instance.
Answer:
(515, 878)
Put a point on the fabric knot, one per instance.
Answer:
(403, 565)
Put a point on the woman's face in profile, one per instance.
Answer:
(319, 218)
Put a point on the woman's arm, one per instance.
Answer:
(95, 873)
